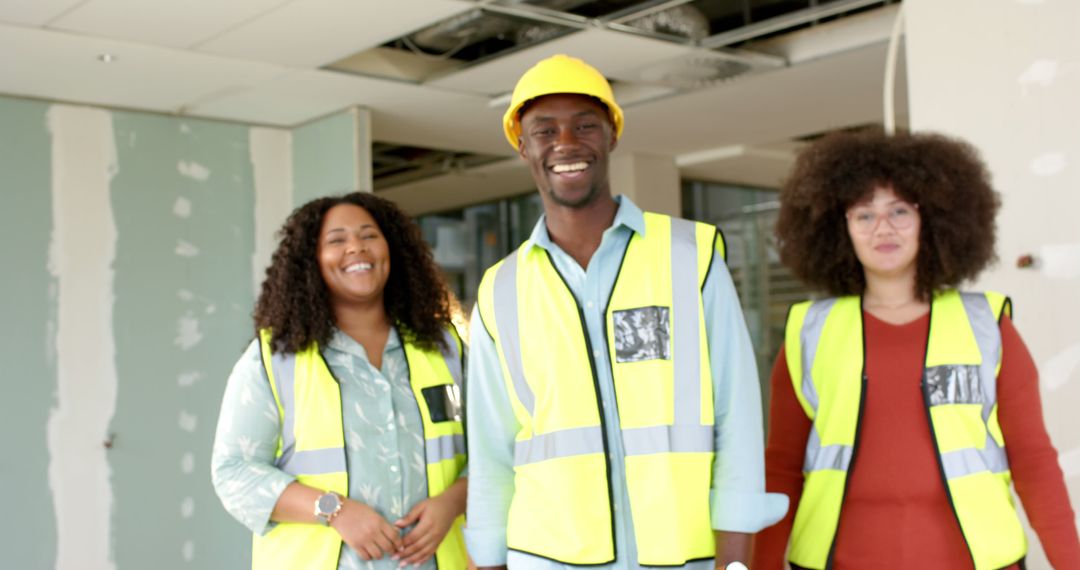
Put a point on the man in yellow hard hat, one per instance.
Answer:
(614, 412)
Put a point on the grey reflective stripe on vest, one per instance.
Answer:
(809, 337)
(315, 462)
(821, 458)
(309, 462)
(506, 319)
(444, 447)
(685, 294)
(668, 439)
(817, 458)
(452, 356)
(991, 457)
(284, 371)
(563, 443)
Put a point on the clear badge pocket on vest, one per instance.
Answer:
(443, 402)
(954, 384)
(642, 334)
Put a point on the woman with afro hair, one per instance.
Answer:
(340, 434)
(902, 408)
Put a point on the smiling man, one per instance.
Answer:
(614, 412)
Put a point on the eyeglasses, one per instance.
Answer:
(863, 220)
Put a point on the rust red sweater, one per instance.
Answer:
(896, 513)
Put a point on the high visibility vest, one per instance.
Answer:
(656, 343)
(311, 446)
(824, 347)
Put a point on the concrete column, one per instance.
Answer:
(1005, 76)
(651, 181)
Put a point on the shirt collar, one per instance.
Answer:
(628, 214)
(342, 342)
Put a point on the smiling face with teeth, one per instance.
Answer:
(566, 139)
(353, 255)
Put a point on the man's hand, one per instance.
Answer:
(732, 547)
(365, 531)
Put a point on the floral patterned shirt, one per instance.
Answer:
(384, 439)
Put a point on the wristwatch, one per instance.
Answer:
(736, 566)
(327, 506)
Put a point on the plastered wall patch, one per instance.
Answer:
(1049, 164)
(187, 463)
(182, 207)
(1070, 462)
(1057, 371)
(1061, 261)
(187, 508)
(186, 249)
(187, 332)
(1041, 72)
(188, 551)
(188, 421)
(186, 379)
(193, 170)
(81, 255)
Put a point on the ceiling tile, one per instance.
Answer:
(312, 33)
(171, 24)
(610, 52)
(64, 67)
(33, 12)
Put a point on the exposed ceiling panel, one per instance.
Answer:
(840, 91)
(610, 52)
(403, 113)
(312, 33)
(33, 12)
(489, 182)
(171, 24)
(65, 67)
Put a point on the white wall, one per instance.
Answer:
(1005, 75)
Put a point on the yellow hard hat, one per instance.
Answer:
(559, 74)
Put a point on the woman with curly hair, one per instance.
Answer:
(340, 434)
(902, 408)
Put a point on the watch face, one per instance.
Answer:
(329, 503)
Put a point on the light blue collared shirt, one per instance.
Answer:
(738, 501)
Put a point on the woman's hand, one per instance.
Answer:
(433, 518)
(365, 531)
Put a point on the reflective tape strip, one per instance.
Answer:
(284, 370)
(444, 447)
(809, 337)
(830, 457)
(668, 439)
(506, 318)
(315, 462)
(564, 443)
(686, 332)
(452, 356)
(962, 462)
(988, 337)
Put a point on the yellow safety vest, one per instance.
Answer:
(561, 508)
(824, 347)
(311, 446)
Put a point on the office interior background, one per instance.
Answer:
(150, 148)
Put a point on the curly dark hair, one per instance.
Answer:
(295, 304)
(944, 176)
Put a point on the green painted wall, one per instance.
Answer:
(27, 306)
(324, 157)
(183, 201)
